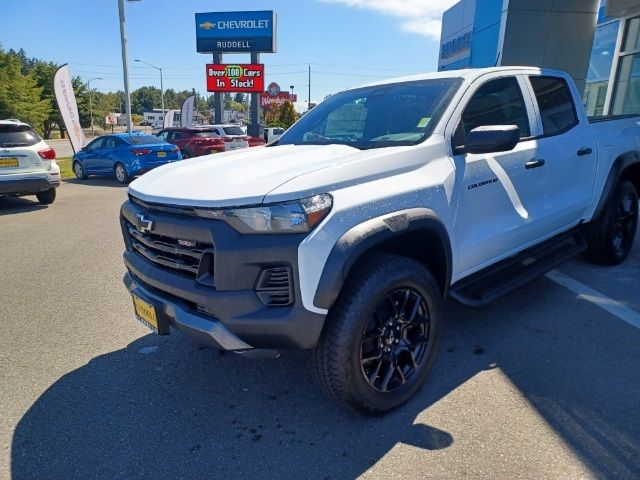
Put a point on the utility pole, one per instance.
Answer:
(255, 129)
(217, 96)
(90, 105)
(125, 64)
(309, 99)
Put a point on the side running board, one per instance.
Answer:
(486, 286)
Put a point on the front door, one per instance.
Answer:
(497, 211)
(91, 156)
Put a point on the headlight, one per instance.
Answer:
(296, 217)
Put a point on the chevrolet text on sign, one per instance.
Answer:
(236, 32)
(235, 78)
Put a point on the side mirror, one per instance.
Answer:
(492, 138)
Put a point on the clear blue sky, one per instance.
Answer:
(347, 42)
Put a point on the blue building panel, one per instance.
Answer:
(488, 13)
(484, 48)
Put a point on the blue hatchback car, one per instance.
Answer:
(123, 155)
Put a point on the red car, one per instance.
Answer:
(195, 141)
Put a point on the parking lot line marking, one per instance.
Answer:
(590, 295)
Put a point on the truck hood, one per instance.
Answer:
(240, 177)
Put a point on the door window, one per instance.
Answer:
(175, 135)
(555, 104)
(95, 145)
(497, 102)
(163, 135)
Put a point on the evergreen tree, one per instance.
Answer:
(20, 95)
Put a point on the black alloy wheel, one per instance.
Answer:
(610, 236)
(625, 223)
(394, 341)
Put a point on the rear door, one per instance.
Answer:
(498, 211)
(567, 147)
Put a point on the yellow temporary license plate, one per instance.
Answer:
(9, 162)
(145, 312)
(162, 154)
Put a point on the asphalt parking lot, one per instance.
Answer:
(543, 384)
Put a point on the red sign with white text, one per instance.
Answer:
(267, 100)
(235, 78)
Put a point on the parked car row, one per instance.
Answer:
(28, 166)
(128, 155)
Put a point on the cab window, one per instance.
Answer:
(497, 102)
(555, 104)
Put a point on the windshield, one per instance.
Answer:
(377, 116)
(17, 136)
(233, 130)
(204, 133)
(145, 139)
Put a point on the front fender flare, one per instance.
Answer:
(358, 240)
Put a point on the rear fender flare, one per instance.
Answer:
(619, 166)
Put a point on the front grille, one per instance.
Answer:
(180, 256)
(274, 287)
(156, 207)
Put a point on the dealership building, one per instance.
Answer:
(596, 41)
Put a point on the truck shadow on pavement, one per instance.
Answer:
(165, 408)
(97, 182)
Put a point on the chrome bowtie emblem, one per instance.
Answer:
(144, 224)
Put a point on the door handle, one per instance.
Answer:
(584, 151)
(534, 164)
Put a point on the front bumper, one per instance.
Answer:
(27, 184)
(225, 309)
(207, 331)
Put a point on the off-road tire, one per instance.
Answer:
(610, 236)
(336, 360)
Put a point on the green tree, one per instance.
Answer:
(44, 72)
(239, 98)
(82, 99)
(287, 114)
(145, 99)
(20, 95)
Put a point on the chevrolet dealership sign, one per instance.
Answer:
(235, 32)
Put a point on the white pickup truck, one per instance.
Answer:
(345, 235)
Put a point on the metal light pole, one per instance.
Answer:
(90, 106)
(161, 87)
(125, 63)
(309, 99)
(291, 87)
